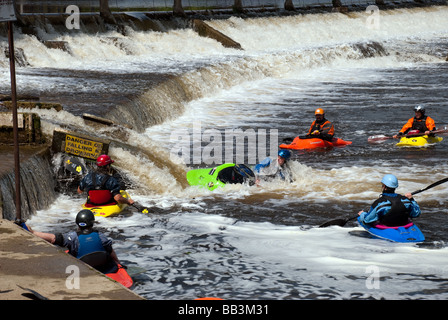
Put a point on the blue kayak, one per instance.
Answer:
(406, 233)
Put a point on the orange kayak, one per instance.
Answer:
(314, 143)
(122, 277)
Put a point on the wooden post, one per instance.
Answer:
(238, 6)
(336, 3)
(289, 5)
(178, 10)
(105, 12)
(12, 70)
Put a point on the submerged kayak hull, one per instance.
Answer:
(109, 209)
(418, 141)
(407, 233)
(314, 143)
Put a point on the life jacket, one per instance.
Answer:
(98, 195)
(398, 214)
(92, 252)
(89, 243)
(420, 124)
(325, 126)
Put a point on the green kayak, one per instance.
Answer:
(227, 173)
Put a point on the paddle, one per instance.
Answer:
(337, 222)
(290, 140)
(431, 186)
(140, 208)
(380, 138)
(32, 294)
(343, 222)
(74, 166)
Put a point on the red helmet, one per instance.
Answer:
(103, 160)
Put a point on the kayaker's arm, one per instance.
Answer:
(114, 256)
(369, 216)
(415, 208)
(119, 198)
(327, 128)
(46, 236)
(56, 239)
(407, 126)
(311, 128)
(430, 124)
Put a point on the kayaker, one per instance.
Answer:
(86, 243)
(391, 209)
(320, 128)
(420, 123)
(236, 174)
(270, 168)
(101, 187)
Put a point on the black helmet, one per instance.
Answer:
(85, 219)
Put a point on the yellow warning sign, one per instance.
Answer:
(82, 147)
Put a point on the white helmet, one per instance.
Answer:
(420, 108)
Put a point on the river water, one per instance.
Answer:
(248, 242)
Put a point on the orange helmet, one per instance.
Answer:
(103, 160)
(319, 111)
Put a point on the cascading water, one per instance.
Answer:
(37, 187)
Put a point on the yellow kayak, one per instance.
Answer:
(108, 209)
(418, 141)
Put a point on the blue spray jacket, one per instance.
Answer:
(391, 209)
(270, 169)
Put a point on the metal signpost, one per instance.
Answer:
(7, 14)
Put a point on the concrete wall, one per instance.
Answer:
(29, 129)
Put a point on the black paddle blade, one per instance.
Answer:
(335, 222)
(32, 294)
(74, 166)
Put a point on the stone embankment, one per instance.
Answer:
(31, 268)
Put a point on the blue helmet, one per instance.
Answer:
(285, 154)
(390, 181)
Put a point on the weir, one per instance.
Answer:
(150, 108)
